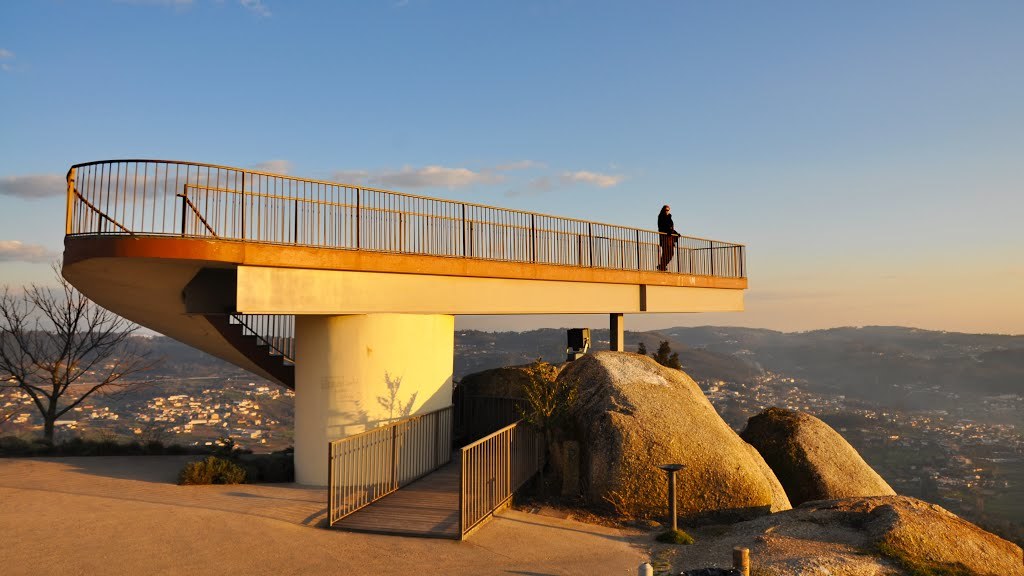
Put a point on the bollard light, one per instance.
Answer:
(671, 470)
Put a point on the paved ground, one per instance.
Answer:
(124, 515)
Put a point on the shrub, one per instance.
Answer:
(675, 537)
(212, 470)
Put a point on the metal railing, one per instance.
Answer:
(493, 468)
(366, 467)
(157, 197)
(276, 331)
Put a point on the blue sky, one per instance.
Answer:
(870, 154)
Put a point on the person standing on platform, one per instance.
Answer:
(668, 236)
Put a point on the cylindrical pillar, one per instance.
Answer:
(354, 373)
(672, 499)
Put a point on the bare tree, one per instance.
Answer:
(59, 347)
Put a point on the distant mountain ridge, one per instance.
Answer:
(903, 367)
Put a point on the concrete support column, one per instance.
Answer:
(356, 372)
(616, 333)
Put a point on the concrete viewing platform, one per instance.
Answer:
(348, 294)
(124, 515)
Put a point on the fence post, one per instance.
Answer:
(330, 485)
(71, 200)
(711, 252)
(533, 239)
(639, 266)
(243, 206)
(184, 206)
(590, 233)
(358, 226)
(437, 440)
(394, 457)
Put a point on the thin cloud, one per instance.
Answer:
(33, 186)
(534, 187)
(351, 176)
(6, 55)
(18, 251)
(273, 166)
(425, 177)
(592, 178)
(256, 7)
(519, 165)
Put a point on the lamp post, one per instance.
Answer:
(671, 470)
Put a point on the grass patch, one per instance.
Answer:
(675, 537)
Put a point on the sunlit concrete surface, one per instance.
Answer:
(124, 515)
(357, 372)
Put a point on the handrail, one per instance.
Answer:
(276, 331)
(366, 188)
(493, 468)
(255, 206)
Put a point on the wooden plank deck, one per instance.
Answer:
(429, 507)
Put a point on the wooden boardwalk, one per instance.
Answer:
(429, 507)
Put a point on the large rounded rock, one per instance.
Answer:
(810, 459)
(633, 414)
(873, 536)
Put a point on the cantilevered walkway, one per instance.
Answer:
(348, 294)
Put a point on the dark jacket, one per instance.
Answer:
(665, 225)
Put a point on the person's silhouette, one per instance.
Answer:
(668, 237)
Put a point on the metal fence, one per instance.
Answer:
(493, 468)
(366, 467)
(157, 197)
(478, 416)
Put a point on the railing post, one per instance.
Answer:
(394, 457)
(533, 239)
(243, 206)
(508, 462)
(295, 222)
(358, 226)
(184, 206)
(71, 201)
(330, 485)
(462, 491)
(590, 234)
(464, 231)
(638, 264)
(437, 440)
(711, 252)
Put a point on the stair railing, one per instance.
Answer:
(276, 331)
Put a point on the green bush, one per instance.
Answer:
(212, 470)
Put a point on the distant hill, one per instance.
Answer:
(905, 368)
